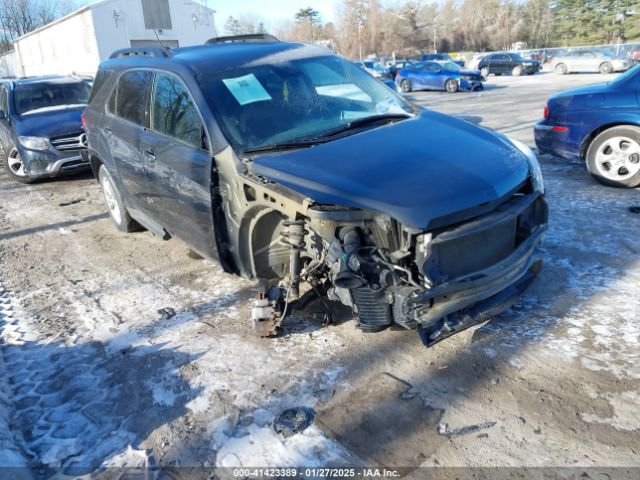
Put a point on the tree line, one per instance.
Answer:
(365, 27)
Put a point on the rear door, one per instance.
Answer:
(127, 119)
(178, 162)
(502, 63)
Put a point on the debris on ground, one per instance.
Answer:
(443, 429)
(166, 313)
(71, 202)
(293, 420)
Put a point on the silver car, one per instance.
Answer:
(589, 61)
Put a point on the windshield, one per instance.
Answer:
(452, 67)
(267, 104)
(34, 97)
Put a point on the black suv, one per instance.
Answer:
(507, 62)
(290, 164)
(41, 132)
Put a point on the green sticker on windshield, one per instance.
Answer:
(246, 89)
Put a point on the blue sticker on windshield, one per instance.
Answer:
(246, 89)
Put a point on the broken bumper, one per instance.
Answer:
(461, 302)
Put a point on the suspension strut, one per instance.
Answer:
(293, 236)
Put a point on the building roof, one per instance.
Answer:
(80, 10)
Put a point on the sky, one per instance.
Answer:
(271, 11)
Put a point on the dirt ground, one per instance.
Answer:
(96, 374)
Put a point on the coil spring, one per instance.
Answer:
(294, 233)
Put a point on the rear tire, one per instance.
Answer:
(613, 157)
(451, 86)
(13, 165)
(561, 69)
(405, 86)
(517, 71)
(113, 200)
(606, 68)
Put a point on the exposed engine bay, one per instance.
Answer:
(457, 273)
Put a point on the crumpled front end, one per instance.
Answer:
(442, 281)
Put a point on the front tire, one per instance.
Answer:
(117, 211)
(606, 68)
(406, 86)
(613, 157)
(484, 71)
(517, 71)
(451, 86)
(13, 165)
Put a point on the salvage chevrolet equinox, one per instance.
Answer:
(290, 164)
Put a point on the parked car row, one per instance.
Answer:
(330, 190)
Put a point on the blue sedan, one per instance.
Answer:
(438, 76)
(599, 124)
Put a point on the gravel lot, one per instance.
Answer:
(95, 376)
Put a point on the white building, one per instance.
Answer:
(78, 42)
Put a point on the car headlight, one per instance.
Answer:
(34, 143)
(534, 165)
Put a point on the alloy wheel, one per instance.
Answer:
(110, 197)
(15, 163)
(618, 158)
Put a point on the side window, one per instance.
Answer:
(173, 111)
(129, 99)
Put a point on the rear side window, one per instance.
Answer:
(173, 111)
(129, 99)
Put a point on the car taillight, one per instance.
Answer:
(546, 111)
(83, 117)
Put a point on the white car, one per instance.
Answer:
(589, 61)
(475, 61)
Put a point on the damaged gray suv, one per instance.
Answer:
(290, 164)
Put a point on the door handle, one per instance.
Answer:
(108, 129)
(149, 155)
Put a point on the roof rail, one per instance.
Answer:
(250, 37)
(142, 52)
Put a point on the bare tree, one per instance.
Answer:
(19, 17)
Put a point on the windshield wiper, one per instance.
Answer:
(283, 146)
(324, 137)
(359, 122)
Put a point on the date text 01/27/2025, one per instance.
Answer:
(316, 472)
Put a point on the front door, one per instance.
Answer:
(178, 162)
(124, 127)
